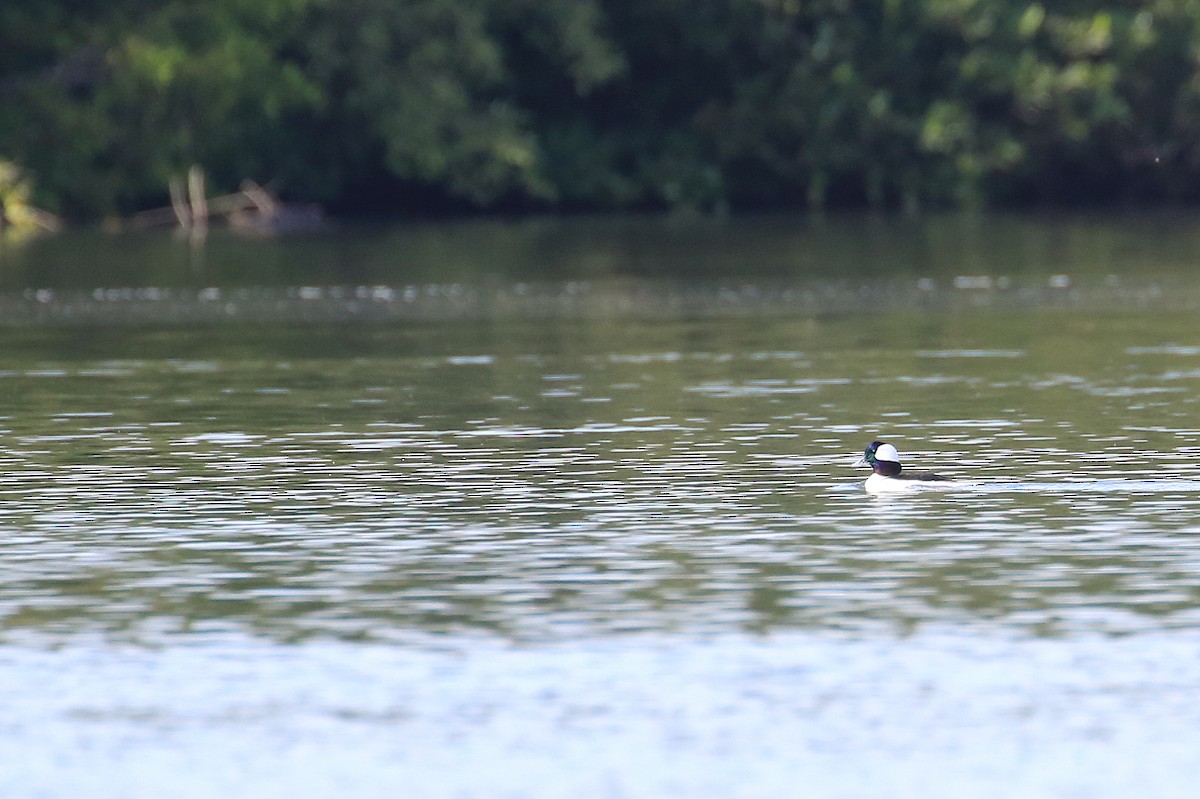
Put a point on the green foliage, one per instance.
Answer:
(128, 104)
(15, 211)
(421, 85)
(683, 104)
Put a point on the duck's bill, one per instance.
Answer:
(862, 461)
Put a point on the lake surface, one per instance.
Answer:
(439, 515)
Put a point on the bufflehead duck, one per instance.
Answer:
(884, 461)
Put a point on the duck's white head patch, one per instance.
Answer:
(886, 452)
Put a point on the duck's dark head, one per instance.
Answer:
(882, 458)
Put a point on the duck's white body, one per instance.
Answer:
(881, 484)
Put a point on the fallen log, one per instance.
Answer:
(252, 207)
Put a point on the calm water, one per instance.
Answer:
(535, 531)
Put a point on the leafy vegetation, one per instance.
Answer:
(445, 105)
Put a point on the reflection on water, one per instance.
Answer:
(602, 554)
(935, 715)
(608, 267)
(967, 251)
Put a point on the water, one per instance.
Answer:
(597, 551)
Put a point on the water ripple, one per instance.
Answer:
(490, 489)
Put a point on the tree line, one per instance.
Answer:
(523, 105)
